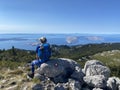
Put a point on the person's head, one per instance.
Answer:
(43, 40)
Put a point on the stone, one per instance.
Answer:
(37, 87)
(113, 83)
(60, 87)
(74, 85)
(1, 86)
(58, 70)
(85, 89)
(97, 81)
(94, 67)
(78, 75)
(12, 87)
(97, 89)
(66, 74)
(40, 77)
(91, 62)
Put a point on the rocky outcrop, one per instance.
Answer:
(60, 70)
(62, 74)
(66, 74)
(70, 85)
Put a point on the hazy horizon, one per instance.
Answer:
(69, 33)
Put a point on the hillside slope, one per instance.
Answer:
(111, 59)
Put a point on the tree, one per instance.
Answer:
(13, 51)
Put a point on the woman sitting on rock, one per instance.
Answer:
(43, 53)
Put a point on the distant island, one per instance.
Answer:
(30, 41)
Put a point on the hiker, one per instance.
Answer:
(43, 54)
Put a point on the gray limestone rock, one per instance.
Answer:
(95, 67)
(113, 83)
(97, 81)
(97, 89)
(91, 62)
(74, 85)
(78, 74)
(37, 87)
(58, 70)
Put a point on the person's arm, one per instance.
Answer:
(37, 56)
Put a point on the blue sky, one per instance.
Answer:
(60, 16)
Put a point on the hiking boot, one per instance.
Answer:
(31, 75)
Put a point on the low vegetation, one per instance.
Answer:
(111, 59)
(108, 53)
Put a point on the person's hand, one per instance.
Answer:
(37, 57)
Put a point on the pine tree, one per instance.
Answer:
(13, 51)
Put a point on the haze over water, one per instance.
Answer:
(30, 41)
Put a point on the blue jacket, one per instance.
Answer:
(44, 51)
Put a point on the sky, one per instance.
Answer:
(60, 16)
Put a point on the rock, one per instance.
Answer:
(58, 70)
(85, 89)
(74, 85)
(60, 78)
(50, 87)
(13, 83)
(66, 74)
(61, 86)
(97, 81)
(113, 83)
(37, 87)
(98, 70)
(1, 86)
(25, 88)
(119, 87)
(38, 76)
(12, 87)
(97, 89)
(95, 67)
(44, 85)
(91, 62)
(78, 75)
(3, 81)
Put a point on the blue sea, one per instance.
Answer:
(30, 41)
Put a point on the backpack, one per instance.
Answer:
(45, 52)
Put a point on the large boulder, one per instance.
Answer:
(91, 62)
(60, 70)
(97, 81)
(94, 67)
(113, 83)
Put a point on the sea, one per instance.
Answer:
(30, 41)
